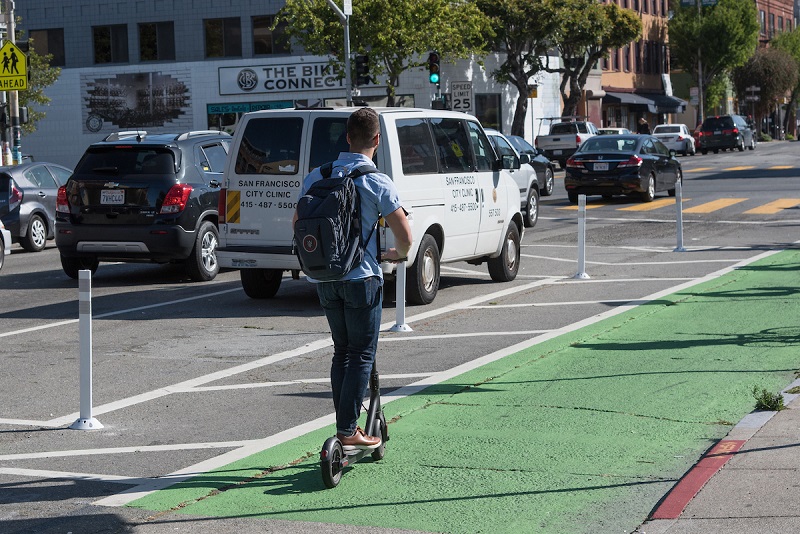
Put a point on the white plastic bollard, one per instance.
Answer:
(679, 215)
(581, 274)
(85, 421)
(400, 300)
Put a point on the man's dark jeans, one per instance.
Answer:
(353, 309)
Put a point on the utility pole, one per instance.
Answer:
(344, 17)
(13, 96)
(700, 73)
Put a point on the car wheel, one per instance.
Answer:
(549, 182)
(2, 253)
(650, 192)
(680, 179)
(740, 146)
(753, 142)
(71, 265)
(704, 152)
(572, 196)
(424, 273)
(202, 265)
(716, 151)
(36, 238)
(261, 283)
(504, 268)
(532, 208)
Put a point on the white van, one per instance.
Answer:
(462, 204)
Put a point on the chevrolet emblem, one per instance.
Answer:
(111, 184)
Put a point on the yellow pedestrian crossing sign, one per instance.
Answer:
(13, 68)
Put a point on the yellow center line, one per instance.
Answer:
(715, 205)
(780, 167)
(774, 206)
(654, 205)
(698, 169)
(740, 168)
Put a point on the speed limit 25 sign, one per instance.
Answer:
(461, 96)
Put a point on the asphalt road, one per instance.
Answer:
(187, 376)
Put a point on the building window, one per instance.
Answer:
(762, 18)
(780, 24)
(110, 43)
(487, 109)
(49, 42)
(615, 60)
(604, 63)
(788, 25)
(223, 37)
(626, 58)
(772, 25)
(156, 41)
(269, 41)
(637, 56)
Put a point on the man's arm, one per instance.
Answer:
(398, 224)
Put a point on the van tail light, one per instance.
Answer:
(62, 202)
(15, 197)
(222, 205)
(176, 199)
(633, 161)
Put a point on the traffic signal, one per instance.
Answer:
(362, 69)
(433, 68)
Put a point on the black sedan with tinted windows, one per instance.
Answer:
(545, 168)
(611, 165)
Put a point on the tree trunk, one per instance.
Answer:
(521, 111)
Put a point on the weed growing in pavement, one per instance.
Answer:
(768, 401)
(794, 391)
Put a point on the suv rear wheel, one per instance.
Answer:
(202, 265)
(71, 266)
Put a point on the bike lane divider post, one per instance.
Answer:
(581, 274)
(85, 420)
(679, 215)
(400, 300)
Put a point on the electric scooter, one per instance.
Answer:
(333, 459)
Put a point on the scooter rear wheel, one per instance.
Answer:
(379, 429)
(330, 462)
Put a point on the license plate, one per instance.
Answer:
(600, 166)
(112, 196)
(556, 152)
(717, 132)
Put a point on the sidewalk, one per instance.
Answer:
(581, 432)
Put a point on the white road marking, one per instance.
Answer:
(66, 475)
(126, 450)
(564, 260)
(253, 385)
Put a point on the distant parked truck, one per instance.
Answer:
(565, 137)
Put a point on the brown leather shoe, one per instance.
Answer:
(359, 440)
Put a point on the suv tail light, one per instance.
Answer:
(222, 205)
(176, 199)
(62, 203)
(633, 161)
(15, 197)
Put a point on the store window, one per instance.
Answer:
(487, 109)
(49, 42)
(223, 37)
(110, 43)
(269, 41)
(156, 41)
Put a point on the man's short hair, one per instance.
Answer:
(362, 126)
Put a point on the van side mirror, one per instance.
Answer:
(510, 162)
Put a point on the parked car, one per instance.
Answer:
(564, 139)
(610, 165)
(136, 197)
(543, 166)
(676, 137)
(5, 243)
(613, 131)
(525, 176)
(28, 201)
(725, 132)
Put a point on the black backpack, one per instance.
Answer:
(327, 232)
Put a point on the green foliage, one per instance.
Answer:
(768, 401)
(397, 34)
(772, 69)
(42, 76)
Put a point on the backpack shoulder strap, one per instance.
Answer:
(326, 169)
(362, 170)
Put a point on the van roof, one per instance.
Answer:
(379, 110)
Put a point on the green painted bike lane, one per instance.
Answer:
(584, 432)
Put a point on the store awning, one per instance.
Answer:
(626, 99)
(666, 104)
(654, 103)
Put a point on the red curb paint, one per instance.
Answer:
(687, 487)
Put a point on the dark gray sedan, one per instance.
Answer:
(28, 201)
(611, 165)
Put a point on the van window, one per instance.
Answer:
(452, 145)
(484, 155)
(417, 151)
(270, 146)
(328, 138)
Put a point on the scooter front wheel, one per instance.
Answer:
(330, 462)
(380, 430)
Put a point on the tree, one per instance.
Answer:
(396, 34)
(790, 42)
(585, 32)
(42, 76)
(723, 36)
(524, 29)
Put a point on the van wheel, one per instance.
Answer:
(71, 266)
(504, 267)
(202, 265)
(532, 208)
(261, 283)
(36, 237)
(423, 282)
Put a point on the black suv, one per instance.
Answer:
(725, 132)
(136, 197)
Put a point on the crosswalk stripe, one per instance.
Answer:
(774, 207)
(715, 205)
(654, 205)
(588, 206)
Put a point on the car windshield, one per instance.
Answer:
(667, 129)
(717, 123)
(604, 144)
(126, 160)
(522, 146)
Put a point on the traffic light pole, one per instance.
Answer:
(344, 17)
(13, 96)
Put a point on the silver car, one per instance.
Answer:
(5, 243)
(676, 137)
